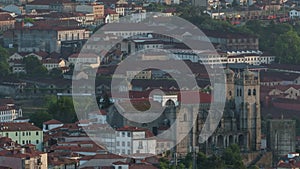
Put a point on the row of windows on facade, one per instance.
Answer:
(239, 92)
(130, 33)
(152, 46)
(6, 118)
(83, 59)
(123, 151)
(123, 143)
(51, 65)
(230, 60)
(28, 141)
(123, 134)
(67, 37)
(26, 133)
(248, 40)
(162, 145)
(250, 59)
(7, 112)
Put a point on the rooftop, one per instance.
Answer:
(10, 126)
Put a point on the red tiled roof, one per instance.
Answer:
(6, 108)
(102, 112)
(50, 61)
(169, 10)
(10, 126)
(191, 97)
(109, 11)
(142, 166)
(291, 67)
(6, 101)
(272, 76)
(130, 128)
(48, 2)
(120, 163)
(57, 25)
(5, 17)
(103, 156)
(53, 121)
(83, 55)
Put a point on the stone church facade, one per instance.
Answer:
(241, 120)
(240, 123)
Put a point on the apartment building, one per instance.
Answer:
(22, 133)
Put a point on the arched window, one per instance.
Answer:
(249, 92)
(230, 93)
(237, 92)
(254, 92)
(240, 92)
(184, 117)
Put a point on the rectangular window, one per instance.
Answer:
(140, 145)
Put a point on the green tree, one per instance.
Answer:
(215, 162)
(30, 20)
(56, 73)
(232, 157)
(287, 48)
(4, 67)
(254, 167)
(164, 163)
(34, 67)
(62, 109)
(38, 118)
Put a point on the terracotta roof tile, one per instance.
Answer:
(10, 126)
(5, 17)
(53, 121)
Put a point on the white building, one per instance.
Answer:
(98, 117)
(87, 59)
(51, 124)
(130, 140)
(50, 63)
(126, 30)
(9, 112)
(120, 10)
(250, 58)
(212, 57)
(294, 14)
